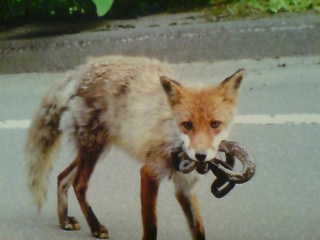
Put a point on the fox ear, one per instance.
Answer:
(172, 89)
(231, 85)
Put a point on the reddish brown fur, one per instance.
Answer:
(149, 194)
(192, 102)
(86, 163)
(189, 205)
(119, 101)
(66, 222)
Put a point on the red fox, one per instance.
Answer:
(131, 103)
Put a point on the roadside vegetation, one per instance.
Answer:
(224, 9)
(18, 12)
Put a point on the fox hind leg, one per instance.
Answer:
(65, 179)
(87, 160)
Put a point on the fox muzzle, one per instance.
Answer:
(226, 176)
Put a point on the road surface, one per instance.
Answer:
(279, 121)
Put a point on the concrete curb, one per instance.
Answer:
(195, 41)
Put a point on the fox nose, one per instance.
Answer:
(201, 157)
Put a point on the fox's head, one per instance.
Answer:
(203, 116)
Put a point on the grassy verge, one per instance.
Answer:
(18, 12)
(232, 9)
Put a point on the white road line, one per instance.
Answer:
(14, 124)
(254, 119)
(278, 119)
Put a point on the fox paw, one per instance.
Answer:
(102, 233)
(71, 224)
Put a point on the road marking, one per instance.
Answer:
(278, 119)
(254, 119)
(15, 124)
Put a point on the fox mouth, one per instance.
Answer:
(182, 154)
(185, 156)
(197, 157)
(232, 150)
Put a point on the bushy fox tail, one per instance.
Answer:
(43, 139)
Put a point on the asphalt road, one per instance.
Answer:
(280, 202)
(177, 38)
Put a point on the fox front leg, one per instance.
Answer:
(149, 194)
(187, 199)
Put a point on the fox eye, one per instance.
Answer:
(187, 125)
(215, 124)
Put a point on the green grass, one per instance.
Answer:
(17, 12)
(276, 6)
(221, 9)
